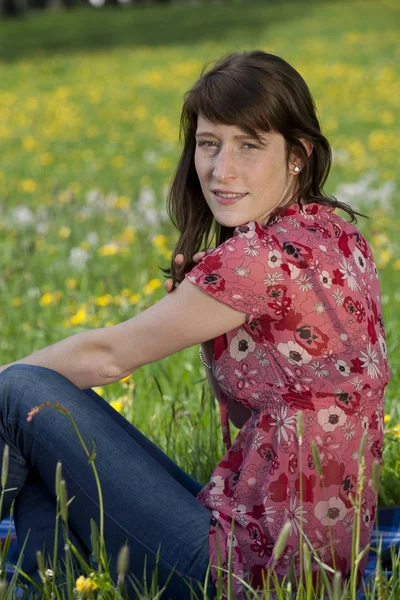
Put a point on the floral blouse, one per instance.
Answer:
(313, 341)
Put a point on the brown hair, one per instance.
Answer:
(254, 91)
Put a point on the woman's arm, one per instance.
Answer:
(82, 358)
(184, 318)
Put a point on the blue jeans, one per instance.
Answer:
(148, 499)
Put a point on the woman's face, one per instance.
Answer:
(229, 162)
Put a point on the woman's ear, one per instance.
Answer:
(308, 145)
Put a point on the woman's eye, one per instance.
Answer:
(250, 145)
(206, 144)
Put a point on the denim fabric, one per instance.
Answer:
(148, 500)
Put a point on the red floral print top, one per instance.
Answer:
(314, 341)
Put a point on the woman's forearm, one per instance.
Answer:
(82, 358)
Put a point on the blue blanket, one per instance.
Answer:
(389, 530)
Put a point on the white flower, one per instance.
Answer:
(370, 360)
(274, 258)
(92, 238)
(359, 259)
(22, 215)
(342, 367)
(252, 246)
(273, 278)
(268, 514)
(256, 441)
(357, 383)
(295, 354)
(241, 271)
(216, 485)
(240, 515)
(78, 257)
(294, 271)
(331, 417)
(348, 274)
(338, 297)
(319, 308)
(348, 430)
(293, 515)
(261, 356)
(330, 511)
(304, 283)
(319, 369)
(283, 423)
(348, 523)
(325, 279)
(241, 345)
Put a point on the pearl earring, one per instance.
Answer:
(296, 169)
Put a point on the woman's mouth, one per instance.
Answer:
(228, 197)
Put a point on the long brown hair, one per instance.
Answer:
(255, 91)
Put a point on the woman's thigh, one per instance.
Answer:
(143, 504)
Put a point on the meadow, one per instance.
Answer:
(89, 113)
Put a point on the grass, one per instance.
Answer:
(89, 110)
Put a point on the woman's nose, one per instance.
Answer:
(224, 166)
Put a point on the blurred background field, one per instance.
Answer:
(89, 111)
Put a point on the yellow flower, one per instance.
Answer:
(151, 286)
(126, 379)
(104, 300)
(134, 299)
(28, 185)
(99, 390)
(386, 418)
(397, 265)
(84, 245)
(117, 405)
(159, 241)
(84, 584)
(28, 143)
(71, 283)
(385, 256)
(395, 431)
(79, 317)
(128, 236)
(16, 301)
(380, 239)
(109, 249)
(50, 298)
(126, 292)
(64, 232)
(123, 202)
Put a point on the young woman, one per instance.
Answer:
(287, 310)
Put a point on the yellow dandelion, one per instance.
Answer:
(99, 390)
(104, 300)
(123, 202)
(397, 265)
(128, 235)
(109, 249)
(28, 185)
(79, 317)
(387, 418)
(395, 431)
(385, 256)
(16, 301)
(28, 143)
(84, 245)
(64, 232)
(117, 405)
(126, 292)
(159, 241)
(153, 285)
(46, 159)
(85, 585)
(47, 298)
(71, 283)
(126, 379)
(134, 299)
(380, 239)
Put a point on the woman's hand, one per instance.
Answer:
(179, 258)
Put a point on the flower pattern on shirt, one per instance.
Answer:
(313, 341)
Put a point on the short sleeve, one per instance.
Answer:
(246, 273)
